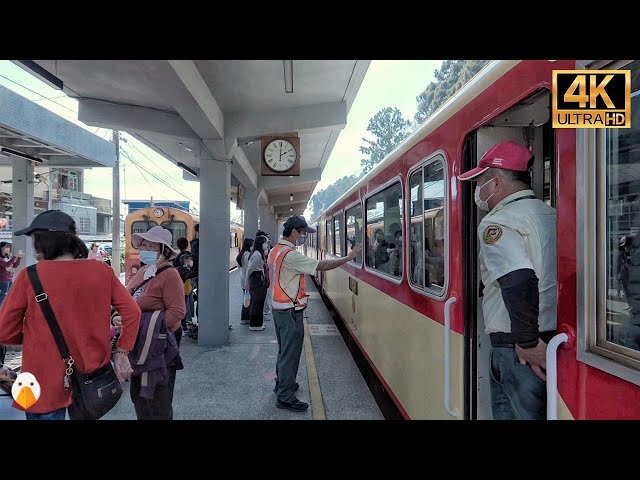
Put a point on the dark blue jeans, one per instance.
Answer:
(290, 334)
(55, 415)
(517, 393)
(4, 289)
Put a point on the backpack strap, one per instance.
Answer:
(160, 270)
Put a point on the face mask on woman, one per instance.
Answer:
(148, 257)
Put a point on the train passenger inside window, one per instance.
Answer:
(395, 254)
(380, 253)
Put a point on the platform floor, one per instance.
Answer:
(235, 382)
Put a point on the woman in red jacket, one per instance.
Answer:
(64, 271)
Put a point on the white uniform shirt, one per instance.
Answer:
(515, 235)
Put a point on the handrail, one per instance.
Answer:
(552, 375)
(447, 357)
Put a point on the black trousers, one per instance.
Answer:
(160, 407)
(245, 314)
(256, 314)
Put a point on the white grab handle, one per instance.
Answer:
(447, 357)
(552, 375)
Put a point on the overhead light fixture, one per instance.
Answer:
(288, 75)
(291, 197)
(41, 73)
(188, 169)
(16, 153)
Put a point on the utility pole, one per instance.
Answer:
(52, 172)
(115, 232)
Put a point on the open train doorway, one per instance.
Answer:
(529, 124)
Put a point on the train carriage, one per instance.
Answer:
(412, 301)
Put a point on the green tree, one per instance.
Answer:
(389, 128)
(325, 197)
(453, 74)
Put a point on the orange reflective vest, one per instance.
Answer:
(282, 301)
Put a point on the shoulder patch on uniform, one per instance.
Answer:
(491, 234)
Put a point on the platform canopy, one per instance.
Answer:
(33, 133)
(189, 110)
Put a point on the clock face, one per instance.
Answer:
(280, 155)
(158, 212)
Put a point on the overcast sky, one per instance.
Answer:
(388, 83)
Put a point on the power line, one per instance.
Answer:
(39, 94)
(95, 132)
(153, 163)
(161, 180)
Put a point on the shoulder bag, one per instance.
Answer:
(93, 393)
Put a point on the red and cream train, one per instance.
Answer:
(412, 303)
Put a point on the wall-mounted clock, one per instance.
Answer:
(281, 155)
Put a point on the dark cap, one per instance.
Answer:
(50, 220)
(299, 223)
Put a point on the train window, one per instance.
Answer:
(337, 237)
(354, 230)
(177, 229)
(427, 231)
(384, 231)
(329, 233)
(608, 241)
(142, 226)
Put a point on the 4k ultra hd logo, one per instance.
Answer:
(591, 98)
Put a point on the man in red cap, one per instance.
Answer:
(518, 269)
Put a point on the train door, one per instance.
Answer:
(527, 123)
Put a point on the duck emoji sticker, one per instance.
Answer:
(25, 390)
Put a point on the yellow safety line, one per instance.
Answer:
(317, 404)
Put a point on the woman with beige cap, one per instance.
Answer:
(157, 286)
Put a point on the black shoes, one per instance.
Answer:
(275, 389)
(295, 405)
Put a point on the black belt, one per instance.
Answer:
(501, 339)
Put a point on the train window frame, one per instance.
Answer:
(591, 192)
(153, 223)
(328, 224)
(360, 204)
(186, 228)
(340, 216)
(439, 155)
(388, 184)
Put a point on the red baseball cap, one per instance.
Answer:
(507, 155)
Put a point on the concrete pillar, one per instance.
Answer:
(22, 210)
(268, 222)
(250, 212)
(213, 277)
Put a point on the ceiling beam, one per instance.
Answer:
(188, 74)
(311, 175)
(263, 197)
(240, 166)
(251, 125)
(297, 206)
(131, 117)
(278, 200)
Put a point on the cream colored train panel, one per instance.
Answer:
(406, 347)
